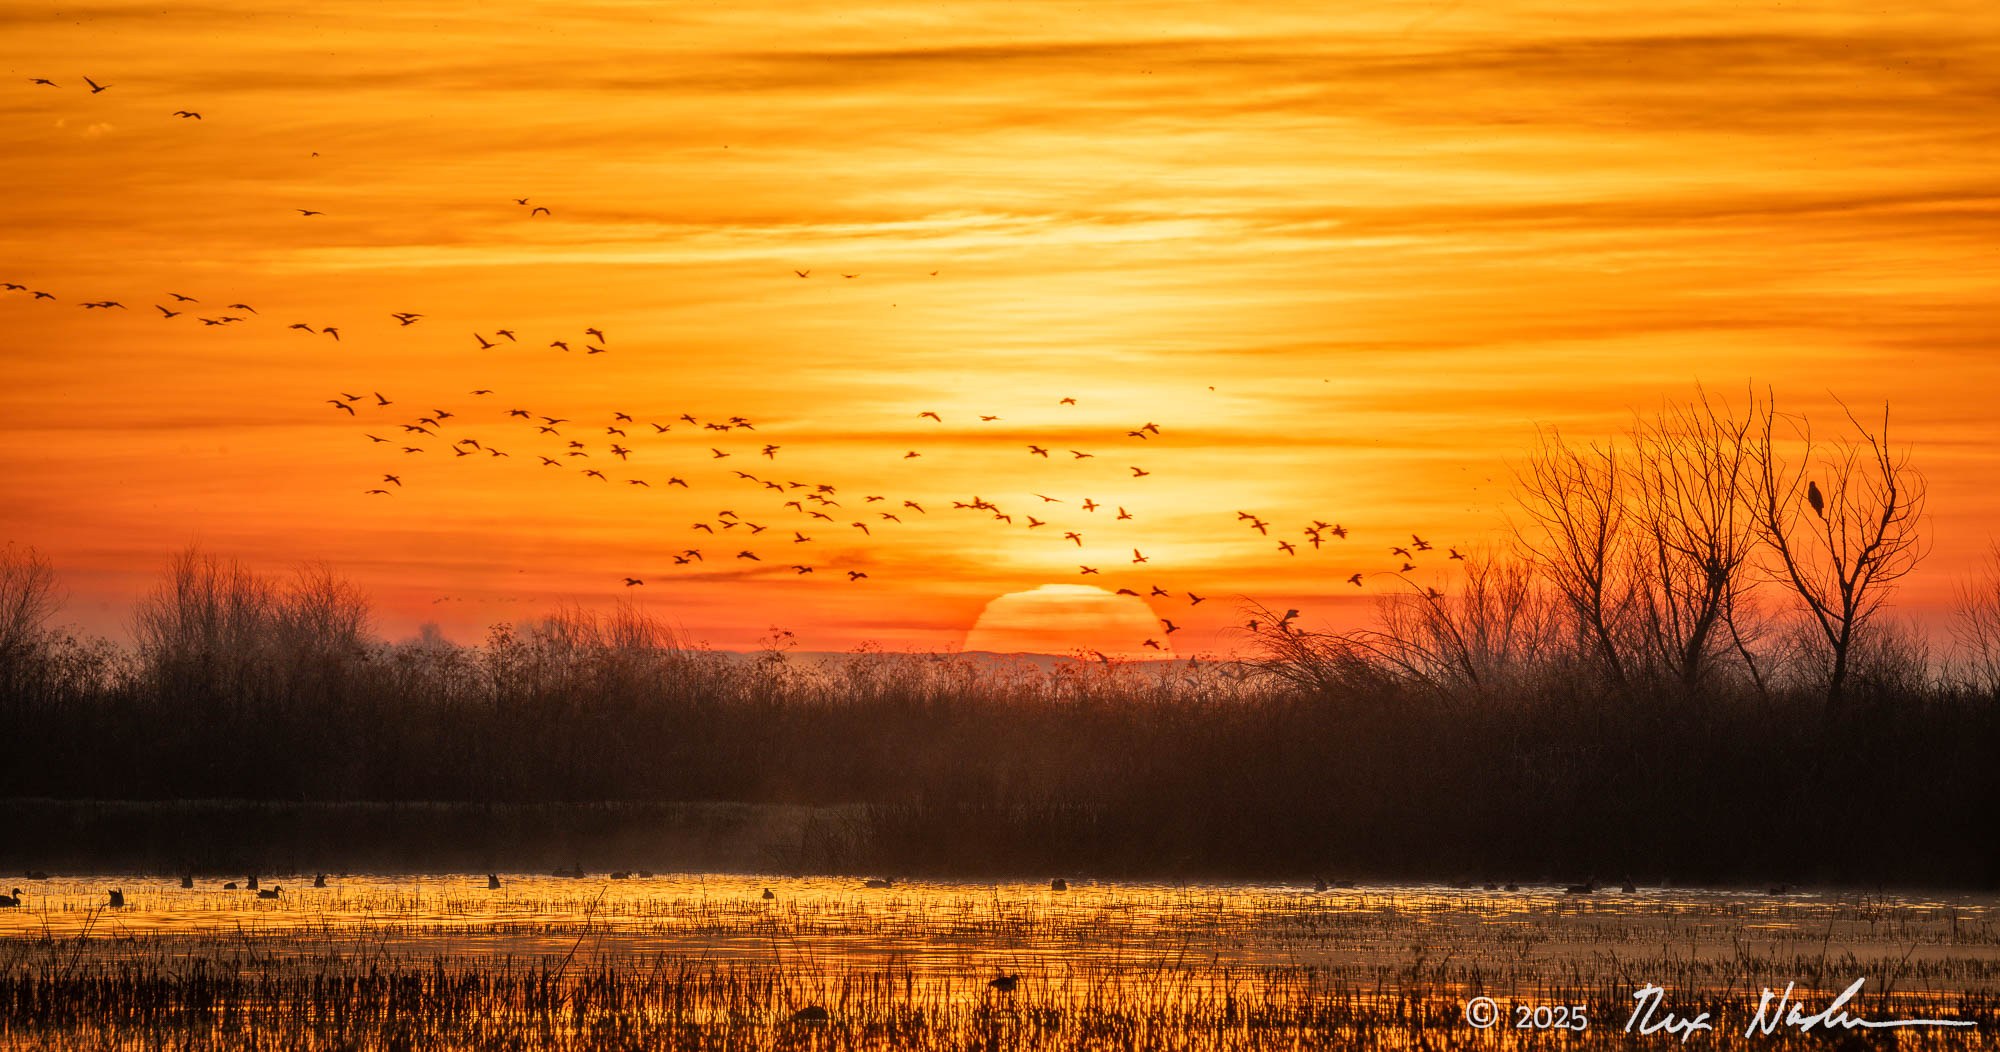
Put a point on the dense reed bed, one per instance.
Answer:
(411, 964)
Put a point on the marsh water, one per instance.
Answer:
(1387, 961)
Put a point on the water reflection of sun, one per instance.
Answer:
(1065, 618)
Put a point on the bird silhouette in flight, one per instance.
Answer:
(187, 114)
(483, 344)
(803, 273)
(1122, 514)
(1404, 552)
(750, 555)
(1087, 569)
(1080, 454)
(538, 210)
(1421, 544)
(509, 333)
(1454, 553)
(933, 416)
(1407, 567)
(1067, 401)
(1354, 579)
(1814, 498)
(45, 81)
(1171, 627)
(309, 212)
(599, 333)
(165, 311)
(1074, 536)
(1034, 522)
(1155, 644)
(338, 404)
(372, 438)
(1158, 592)
(1038, 451)
(373, 492)
(850, 275)
(632, 581)
(1089, 505)
(95, 87)
(1288, 548)
(1137, 558)
(301, 325)
(1196, 600)
(984, 419)
(241, 306)
(397, 479)
(331, 331)
(1139, 473)
(855, 575)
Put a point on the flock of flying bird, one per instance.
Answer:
(793, 506)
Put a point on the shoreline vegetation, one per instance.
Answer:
(1677, 669)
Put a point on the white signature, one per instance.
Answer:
(1774, 1010)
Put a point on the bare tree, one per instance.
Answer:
(28, 600)
(1975, 626)
(1841, 547)
(1489, 636)
(1574, 500)
(1693, 534)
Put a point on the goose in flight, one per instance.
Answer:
(1454, 553)
(95, 87)
(331, 331)
(1038, 451)
(912, 455)
(1354, 579)
(1288, 548)
(855, 575)
(1171, 627)
(309, 212)
(301, 325)
(1122, 514)
(372, 492)
(932, 415)
(1139, 473)
(338, 404)
(1089, 505)
(483, 344)
(509, 333)
(1137, 558)
(1067, 401)
(599, 333)
(1404, 552)
(397, 479)
(538, 210)
(1159, 592)
(241, 306)
(1080, 454)
(1155, 644)
(187, 113)
(1196, 600)
(1072, 535)
(165, 311)
(1087, 569)
(45, 81)
(631, 581)
(178, 298)
(803, 273)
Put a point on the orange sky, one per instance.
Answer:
(1346, 256)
